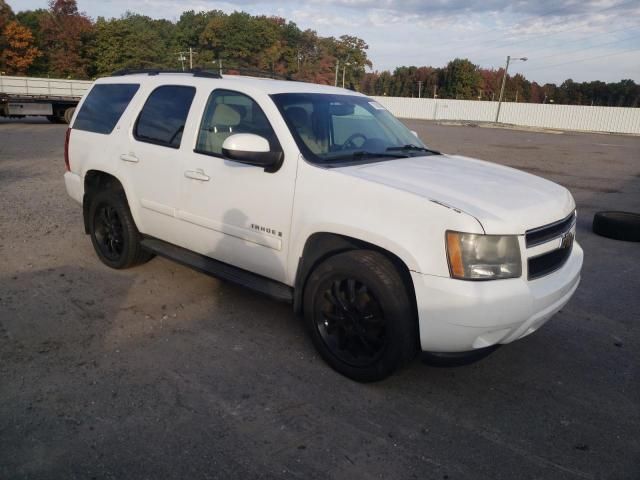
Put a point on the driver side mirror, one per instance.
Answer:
(251, 149)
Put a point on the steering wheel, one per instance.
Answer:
(349, 143)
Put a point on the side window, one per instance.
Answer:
(164, 115)
(303, 117)
(104, 106)
(229, 112)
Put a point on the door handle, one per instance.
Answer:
(197, 175)
(129, 157)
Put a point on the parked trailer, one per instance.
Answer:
(53, 98)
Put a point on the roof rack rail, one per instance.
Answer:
(196, 72)
(254, 72)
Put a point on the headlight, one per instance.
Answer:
(483, 257)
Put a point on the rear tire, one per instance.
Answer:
(359, 315)
(114, 235)
(68, 114)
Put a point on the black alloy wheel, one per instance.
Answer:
(359, 315)
(351, 322)
(114, 235)
(109, 232)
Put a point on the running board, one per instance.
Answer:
(224, 271)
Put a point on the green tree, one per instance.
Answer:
(461, 79)
(132, 41)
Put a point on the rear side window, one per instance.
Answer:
(164, 115)
(104, 106)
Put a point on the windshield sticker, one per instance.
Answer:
(377, 106)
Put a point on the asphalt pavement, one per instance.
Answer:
(160, 372)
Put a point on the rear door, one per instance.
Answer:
(237, 213)
(152, 160)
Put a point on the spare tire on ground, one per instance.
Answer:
(618, 225)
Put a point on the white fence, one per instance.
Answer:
(563, 117)
(49, 87)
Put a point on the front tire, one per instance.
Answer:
(114, 235)
(359, 315)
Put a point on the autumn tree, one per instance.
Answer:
(6, 14)
(66, 39)
(32, 19)
(19, 52)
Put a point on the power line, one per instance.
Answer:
(584, 59)
(535, 59)
(532, 52)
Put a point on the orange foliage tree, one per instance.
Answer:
(19, 52)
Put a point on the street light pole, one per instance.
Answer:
(344, 71)
(504, 81)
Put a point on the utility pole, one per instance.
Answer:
(435, 89)
(516, 95)
(181, 59)
(420, 82)
(337, 69)
(504, 81)
(191, 54)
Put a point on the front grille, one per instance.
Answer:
(539, 235)
(549, 262)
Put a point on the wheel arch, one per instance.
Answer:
(322, 245)
(94, 182)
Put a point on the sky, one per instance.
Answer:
(579, 39)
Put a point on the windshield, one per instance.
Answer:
(337, 128)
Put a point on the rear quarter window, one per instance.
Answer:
(104, 106)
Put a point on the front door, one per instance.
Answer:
(236, 213)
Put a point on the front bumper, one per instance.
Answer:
(458, 316)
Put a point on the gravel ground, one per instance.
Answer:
(161, 372)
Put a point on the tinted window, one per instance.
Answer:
(229, 112)
(104, 106)
(163, 116)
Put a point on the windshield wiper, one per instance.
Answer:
(412, 148)
(364, 154)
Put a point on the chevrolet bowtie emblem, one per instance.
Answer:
(567, 240)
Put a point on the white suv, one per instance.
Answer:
(318, 196)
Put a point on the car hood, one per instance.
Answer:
(504, 200)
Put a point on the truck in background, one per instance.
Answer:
(53, 98)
